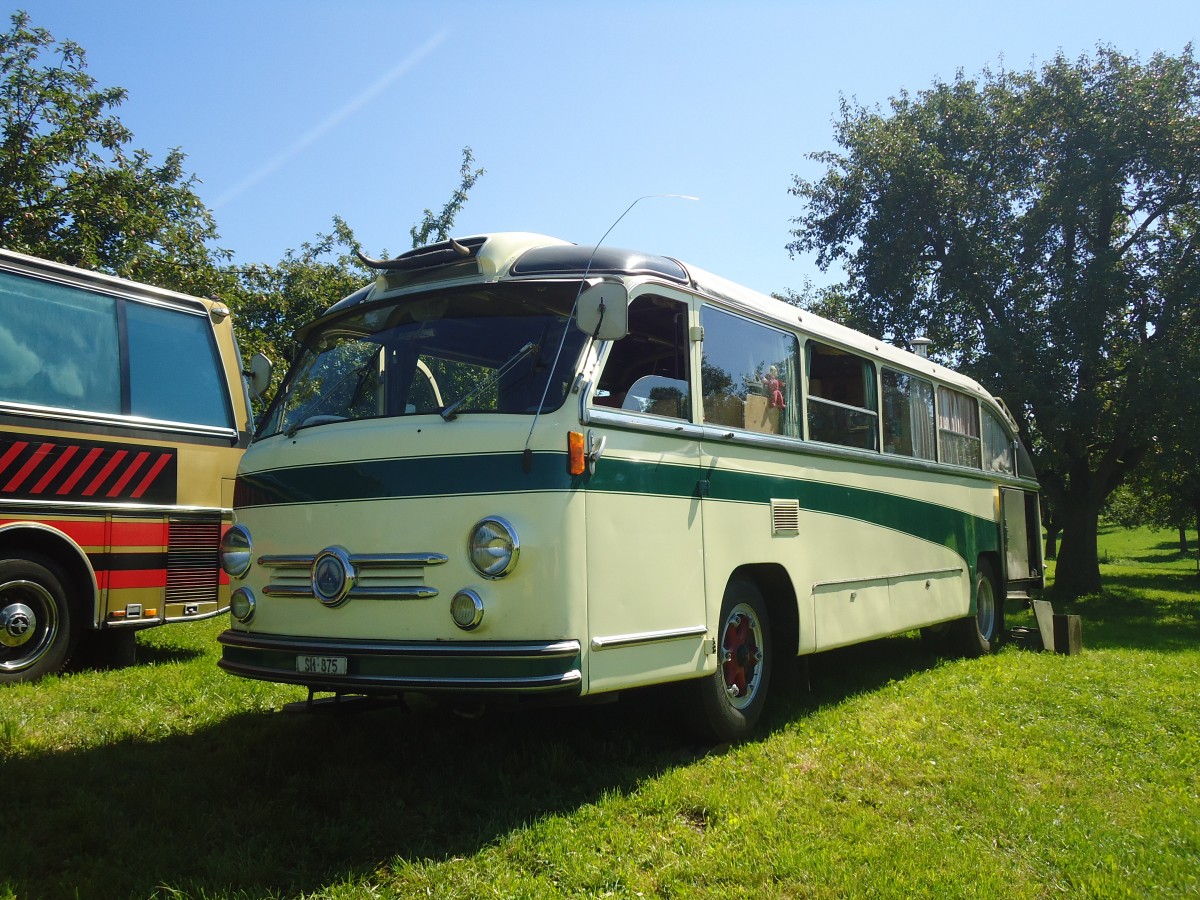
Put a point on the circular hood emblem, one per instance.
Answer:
(333, 576)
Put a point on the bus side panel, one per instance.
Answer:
(871, 551)
(645, 569)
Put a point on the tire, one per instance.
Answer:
(731, 700)
(37, 628)
(980, 634)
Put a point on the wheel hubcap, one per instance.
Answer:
(741, 656)
(985, 609)
(17, 624)
(28, 624)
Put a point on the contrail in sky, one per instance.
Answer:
(272, 165)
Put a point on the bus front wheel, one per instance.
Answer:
(36, 628)
(732, 698)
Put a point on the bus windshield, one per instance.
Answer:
(476, 349)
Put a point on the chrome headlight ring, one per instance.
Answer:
(242, 605)
(493, 547)
(236, 551)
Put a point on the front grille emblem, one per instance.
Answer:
(333, 576)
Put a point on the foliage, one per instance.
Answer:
(72, 189)
(271, 301)
(1041, 228)
(438, 227)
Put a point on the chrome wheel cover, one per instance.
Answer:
(28, 624)
(742, 656)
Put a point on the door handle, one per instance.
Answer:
(594, 450)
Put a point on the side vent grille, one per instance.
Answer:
(785, 516)
(193, 563)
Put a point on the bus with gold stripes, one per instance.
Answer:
(123, 414)
(516, 466)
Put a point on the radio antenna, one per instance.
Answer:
(527, 453)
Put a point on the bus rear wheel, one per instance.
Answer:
(980, 634)
(732, 698)
(36, 628)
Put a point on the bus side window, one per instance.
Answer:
(749, 377)
(908, 423)
(647, 370)
(162, 341)
(997, 445)
(841, 398)
(958, 429)
(59, 346)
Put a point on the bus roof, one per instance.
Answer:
(13, 261)
(522, 255)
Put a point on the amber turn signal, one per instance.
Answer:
(576, 462)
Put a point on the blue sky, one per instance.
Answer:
(292, 112)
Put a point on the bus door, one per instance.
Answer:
(1022, 531)
(645, 553)
(750, 402)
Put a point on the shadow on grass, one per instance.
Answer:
(148, 655)
(279, 804)
(1160, 554)
(1158, 611)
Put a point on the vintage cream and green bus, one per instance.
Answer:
(514, 465)
(123, 414)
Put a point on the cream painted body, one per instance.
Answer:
(632, 562)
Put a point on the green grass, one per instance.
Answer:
(880, 771)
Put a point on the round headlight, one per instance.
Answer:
(466, 609)
(332, 576)
(241, 605)
(493, 547)
(237, 551)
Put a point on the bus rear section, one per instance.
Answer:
(122, 418)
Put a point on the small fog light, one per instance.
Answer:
(241, 605)
(466, 609)
(237, 550)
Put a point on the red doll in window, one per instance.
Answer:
(774, 388)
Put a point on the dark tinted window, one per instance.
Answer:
(174, 371)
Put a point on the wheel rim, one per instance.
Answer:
(28, 624)
(985, 608)
(742, 656)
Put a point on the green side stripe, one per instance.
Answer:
(503, 473)
(966, 534)
(386, 479)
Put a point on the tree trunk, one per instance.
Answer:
(1078, 569)
(1183, 542)
(1051, 551)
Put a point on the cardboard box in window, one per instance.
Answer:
(760, 416)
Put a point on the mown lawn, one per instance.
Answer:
(881, 771)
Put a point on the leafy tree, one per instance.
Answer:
(72, 190)
(438, 227)
(1041, 228)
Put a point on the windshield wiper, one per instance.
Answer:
(450, 412)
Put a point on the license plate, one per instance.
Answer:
(321, 665)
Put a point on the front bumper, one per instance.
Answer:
(517, 667)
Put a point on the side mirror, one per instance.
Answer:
(260, 375)
(602, 311)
